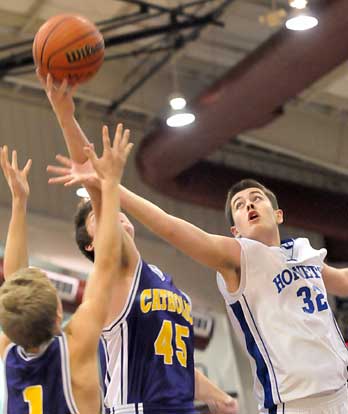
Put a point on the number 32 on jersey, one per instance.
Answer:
(313, 299)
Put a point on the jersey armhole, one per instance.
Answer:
(5, 389)
(232, 297)
(66, 374)
(130, 299)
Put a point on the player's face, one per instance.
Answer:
(125, 223)
(253, 215)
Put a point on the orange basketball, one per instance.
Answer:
(68, 46)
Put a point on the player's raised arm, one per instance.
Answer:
(88, 321)
(217, 252)
(62, 102)
(16, 249)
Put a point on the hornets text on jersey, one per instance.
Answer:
(283, 319)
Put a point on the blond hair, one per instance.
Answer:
(28, 308)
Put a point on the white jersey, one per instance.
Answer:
(281, 315)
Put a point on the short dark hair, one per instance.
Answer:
(82, 238)
(243, 185)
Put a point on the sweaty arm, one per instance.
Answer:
(335, 280)
(217, 252)
(16, 248)
(90, 318)
(62, 102)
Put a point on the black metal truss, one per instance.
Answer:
(172, 36)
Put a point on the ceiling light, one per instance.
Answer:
(301, 22)
(180, 119)
(177, 102)
(82, 192)
(298, 4)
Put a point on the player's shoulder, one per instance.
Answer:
(299, 241)
(304, 247)
(251, 243)
(155, 271)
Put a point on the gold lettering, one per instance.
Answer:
(145, 295)
(156, 303)
(163, 295)
(187, 313)
(179, 303)
(171, 302)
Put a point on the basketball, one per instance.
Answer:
(68, 46)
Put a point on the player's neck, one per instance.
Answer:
(271, 238)
(38, 349)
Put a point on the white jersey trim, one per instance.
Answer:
(124, 366)
(66, 376)
(258, 354)
(129, 302)
(127, 409)
(105, 380)
(7, 350)
(27, 356)
(235, 296)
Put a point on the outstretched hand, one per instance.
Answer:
(113, 160)
(59, 95)
(16, 178)
(72, 173)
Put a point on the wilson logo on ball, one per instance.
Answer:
(68, 47)
(83, 52)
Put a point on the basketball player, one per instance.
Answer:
(147, 344)
(48, 371)
(276, 297)
(262, 314)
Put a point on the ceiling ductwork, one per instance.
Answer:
(250, 96)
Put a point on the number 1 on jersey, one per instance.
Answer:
(163, 343)
(33, 396)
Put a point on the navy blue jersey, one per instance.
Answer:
(39, 383)
(147, 352)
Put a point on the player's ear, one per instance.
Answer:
(89, 247)
(279, 216)
(234, 231)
